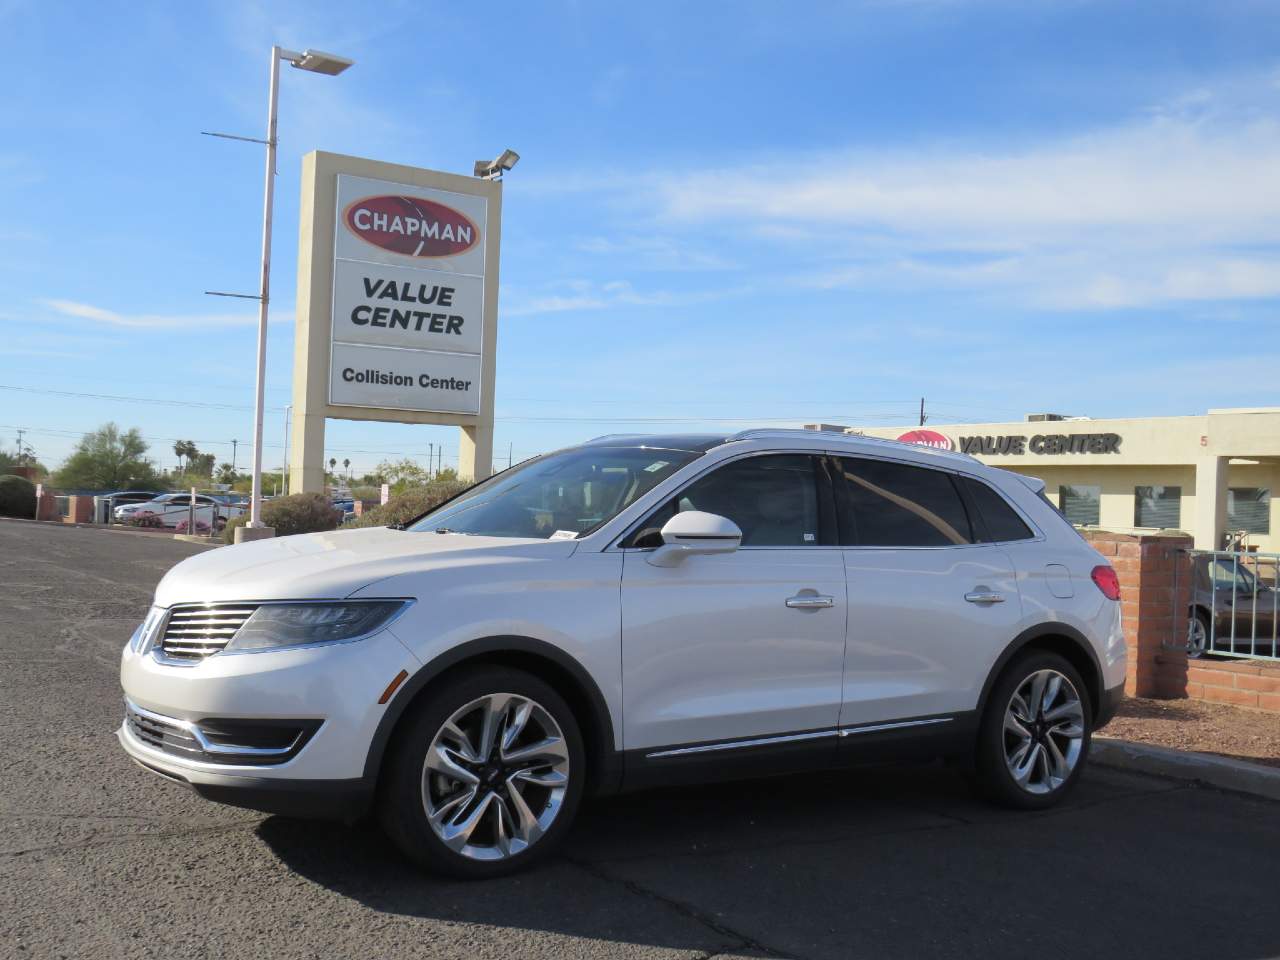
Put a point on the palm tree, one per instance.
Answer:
(346, 465)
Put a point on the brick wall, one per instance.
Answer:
(1155, 585)
(1245, 683)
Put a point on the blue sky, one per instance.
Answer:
(725, 213)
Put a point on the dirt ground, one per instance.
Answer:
(1197, 725)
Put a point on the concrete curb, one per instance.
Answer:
(1222, 772)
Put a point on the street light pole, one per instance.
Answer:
(264, 292)
(315, 62)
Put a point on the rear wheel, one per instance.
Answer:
(486, 775)
(1035, 733)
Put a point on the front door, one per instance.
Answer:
(744, 646)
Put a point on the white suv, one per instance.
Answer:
(631, 612)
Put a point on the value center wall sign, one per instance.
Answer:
(397, 305)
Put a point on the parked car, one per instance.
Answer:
(1226, 591)
(630, 612)
(123, 497)
(172, 509)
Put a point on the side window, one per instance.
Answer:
(898, 505)
(1002, 523)
(182, 501)
(773, 500)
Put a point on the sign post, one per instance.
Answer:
(397, 305)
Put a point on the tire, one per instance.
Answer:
(475, 814)
(1056, 740)
(1197, 635)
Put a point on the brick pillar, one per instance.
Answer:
(1155, 590)
(47, 507)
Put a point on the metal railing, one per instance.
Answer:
(1233, 604)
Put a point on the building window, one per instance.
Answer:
(1249, 509)
(1081, 504)
(1159, 507)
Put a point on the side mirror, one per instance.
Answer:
(695, 533)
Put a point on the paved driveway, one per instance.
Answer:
(100, 859)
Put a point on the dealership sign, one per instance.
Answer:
(408, 297)
(1041, 444)
(926, 438)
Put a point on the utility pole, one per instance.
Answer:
(233, 455)
(431, 458)
(20, 433)
(923, 418)
(509, 446)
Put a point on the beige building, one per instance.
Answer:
(1207, 475)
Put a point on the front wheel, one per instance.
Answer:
(1035, 733)
(1197, 635)
(485, 776)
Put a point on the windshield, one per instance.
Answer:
(1230, 575)
(560, 496)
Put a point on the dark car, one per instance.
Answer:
(1226, 591)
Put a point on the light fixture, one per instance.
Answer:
(493, 169)
(317, 61)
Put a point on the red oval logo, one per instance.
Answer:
(411, 226)
(926, 438)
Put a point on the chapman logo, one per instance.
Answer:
(927, 438)
(411, 226)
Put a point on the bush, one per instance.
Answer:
(202, 528)
(17, 497)
(413, 502)
(296, 513)
(145, 518)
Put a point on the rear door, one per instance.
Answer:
(931, 606)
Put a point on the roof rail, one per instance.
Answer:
(759, 433)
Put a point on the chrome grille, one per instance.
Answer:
(193, 632)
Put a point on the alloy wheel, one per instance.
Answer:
(1043, 732)
(495, 776)
(1197, 637)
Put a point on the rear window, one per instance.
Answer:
(898, 505)
(1000, 521)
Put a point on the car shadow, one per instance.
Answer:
(902, 861)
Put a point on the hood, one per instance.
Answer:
(329, 565)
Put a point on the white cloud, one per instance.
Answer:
(588, 295)
(159, 321)
(1180, 204)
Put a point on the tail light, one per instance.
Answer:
(1104, 575)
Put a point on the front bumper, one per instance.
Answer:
(347, 800)
(332, 689)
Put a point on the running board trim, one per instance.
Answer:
(794, 737)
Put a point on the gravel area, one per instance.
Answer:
(1200, 726)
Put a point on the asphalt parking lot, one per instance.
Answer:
(101, 859)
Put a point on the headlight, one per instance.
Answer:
(142, 636)
(276, 625)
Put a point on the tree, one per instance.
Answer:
(333, 462)
(107, 459)
(226, 473)
(401, 473)
(185, 449)
(201, 464)
(346, 465)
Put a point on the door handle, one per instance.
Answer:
(809, 601)
(983, 595)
